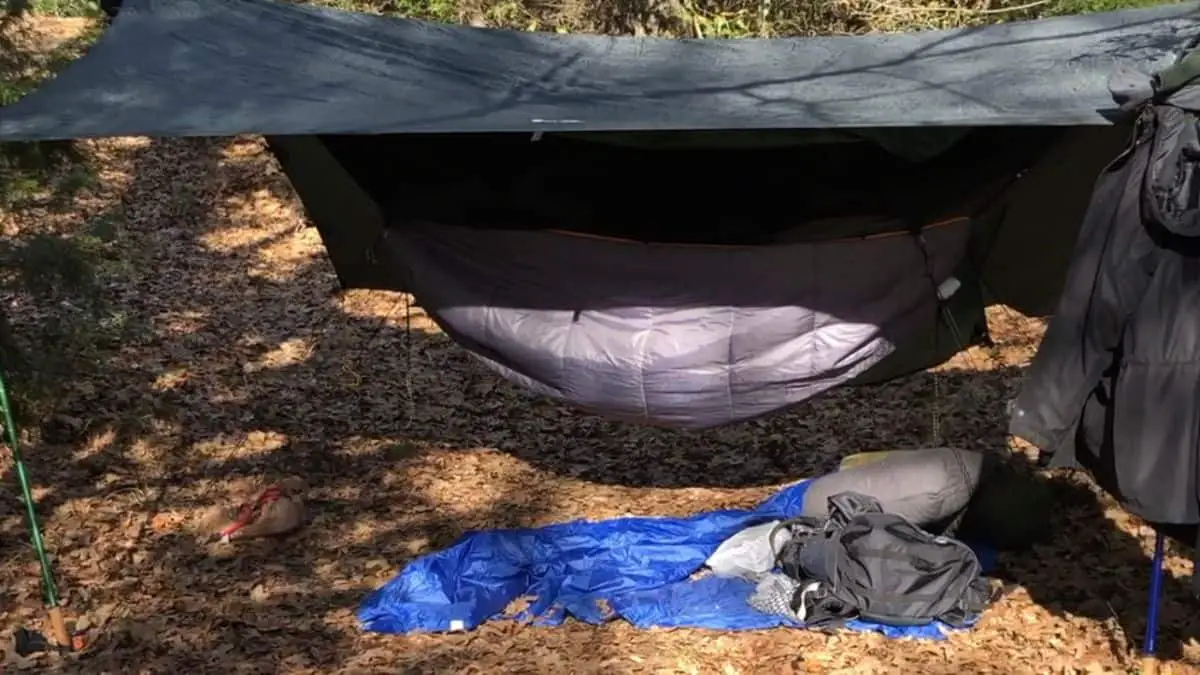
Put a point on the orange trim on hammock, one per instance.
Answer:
(879, 235)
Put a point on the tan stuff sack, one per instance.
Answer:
(275, 510)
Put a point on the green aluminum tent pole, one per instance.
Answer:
(58, 626)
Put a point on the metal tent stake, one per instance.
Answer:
(1150, 641)
(58, 625)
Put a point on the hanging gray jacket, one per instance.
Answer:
(1115, 386)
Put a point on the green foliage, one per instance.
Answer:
(435, 10)
(63, 8)
(730, 18)
(38, 173)
(21, 70)
(1068, 7)
(63, 278)
(56, 278)
(683, 18)
(42, 175)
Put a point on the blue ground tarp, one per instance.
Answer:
(637, 569)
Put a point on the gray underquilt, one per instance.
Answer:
(675, 335)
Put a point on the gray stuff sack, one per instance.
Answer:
(931, 487)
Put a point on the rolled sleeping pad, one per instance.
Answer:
(930, 487)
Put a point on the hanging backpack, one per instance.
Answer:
(864, 563)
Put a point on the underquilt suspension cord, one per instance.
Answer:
(406, 297)
(955, 334)
(58, 626)
(411, 408)
(914, 220)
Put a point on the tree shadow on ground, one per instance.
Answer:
(241, 359)
(1093, 567)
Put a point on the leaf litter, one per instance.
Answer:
(250, 366)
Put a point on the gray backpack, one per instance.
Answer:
(864, 563)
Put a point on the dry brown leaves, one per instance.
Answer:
(41, 34)
(251, 367)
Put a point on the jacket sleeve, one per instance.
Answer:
(1089, 318)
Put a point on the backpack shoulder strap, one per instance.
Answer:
(845, 506)
(800, 528)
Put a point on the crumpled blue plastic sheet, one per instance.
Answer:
(636, 568)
